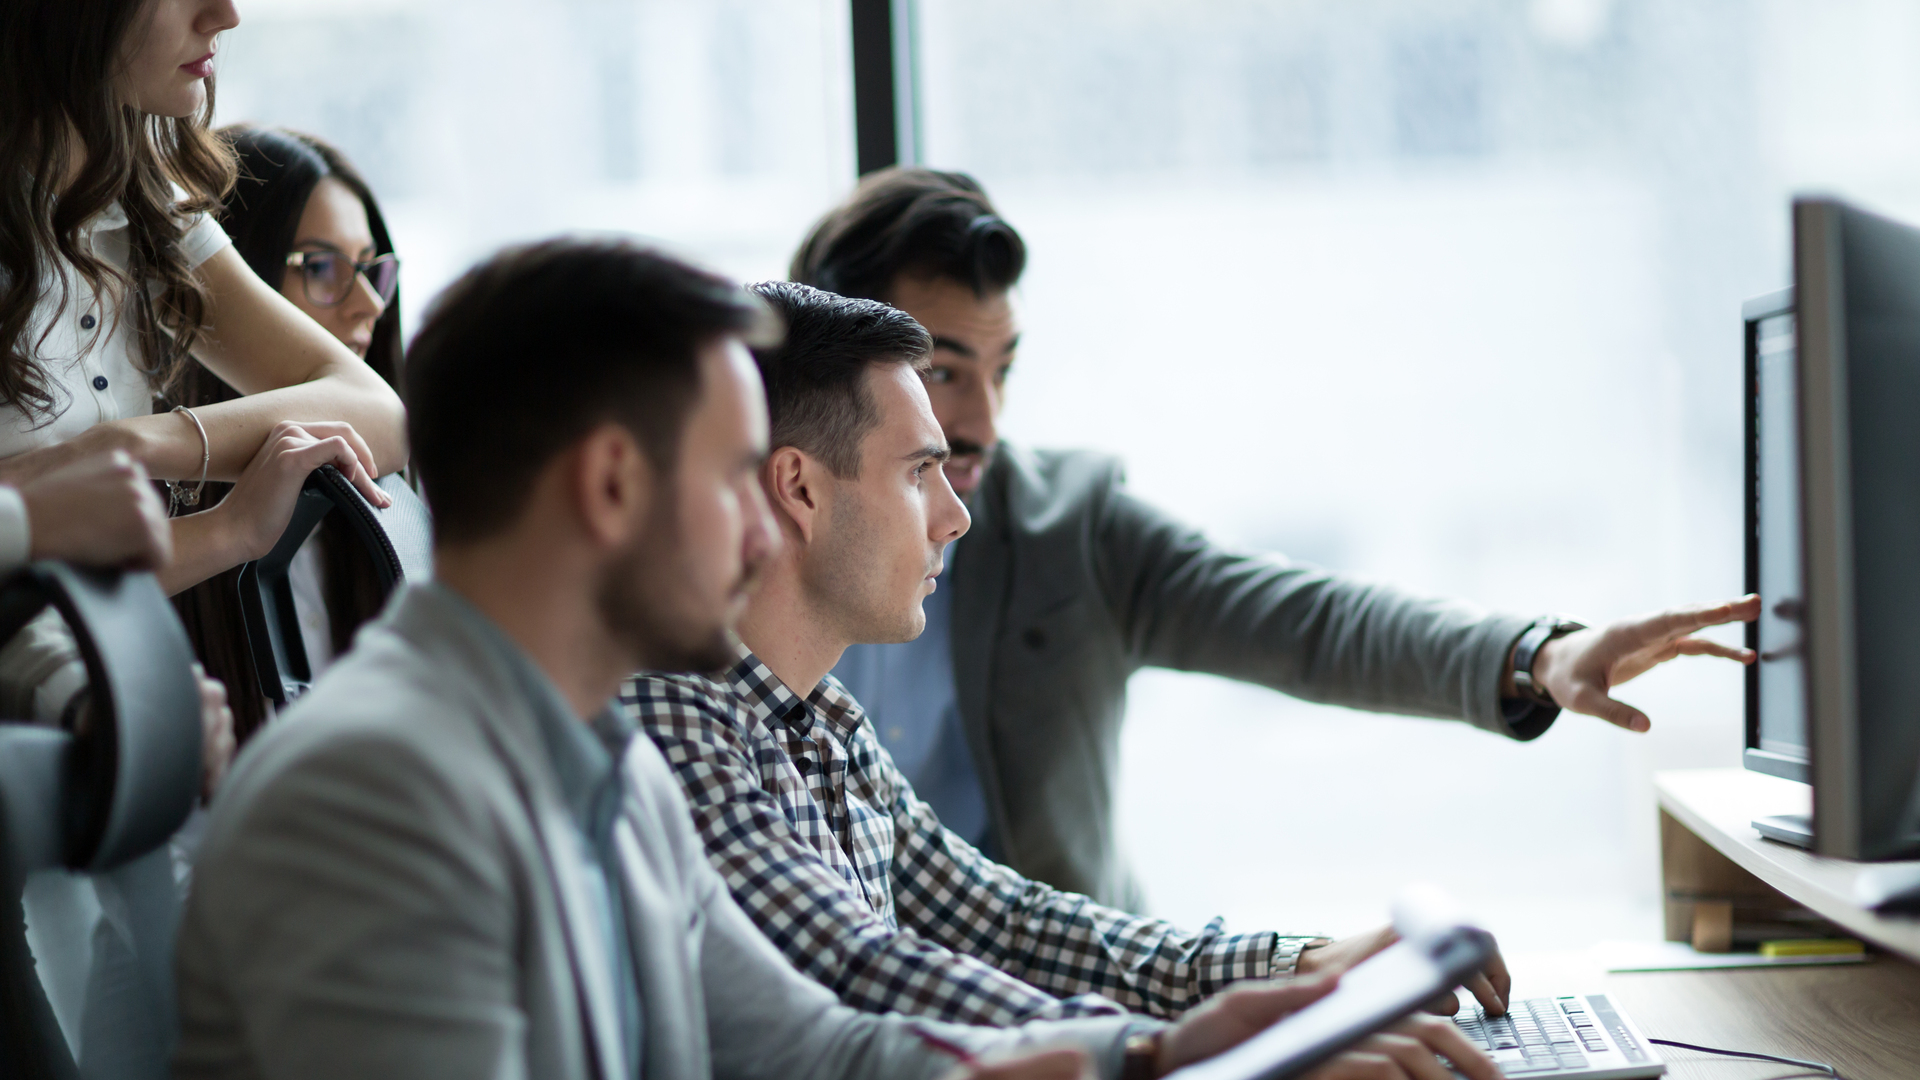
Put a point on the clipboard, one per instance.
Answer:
(1437, 951)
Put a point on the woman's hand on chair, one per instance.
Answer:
(251, 519)
(257, 510)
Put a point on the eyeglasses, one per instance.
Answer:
(327, 276)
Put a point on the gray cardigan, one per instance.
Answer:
(1066, 585)
(389, 888)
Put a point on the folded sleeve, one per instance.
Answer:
(41, 670)
(16, 534)
(203, 239)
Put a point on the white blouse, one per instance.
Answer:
(91, 357)
(91, 354)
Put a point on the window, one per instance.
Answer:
(722, 128)
(1445, 294)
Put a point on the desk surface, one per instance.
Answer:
(1718, 806)
(1862, 1018)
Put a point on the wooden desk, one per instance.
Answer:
(1864, 1018)
(1709, 848)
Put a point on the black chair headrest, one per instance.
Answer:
(399, 538)
(92, 800)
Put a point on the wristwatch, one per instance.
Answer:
(1142, 1055)
(1528, 647)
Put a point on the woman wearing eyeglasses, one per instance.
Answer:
(307, 224)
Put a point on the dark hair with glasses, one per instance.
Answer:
(816, 377)
(616, 330)
(916, 222)
(278, 172)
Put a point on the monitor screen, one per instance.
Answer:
(1777, 713)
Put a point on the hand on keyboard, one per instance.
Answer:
(1539, 1035)
(1410, 1050)
(1489, 987)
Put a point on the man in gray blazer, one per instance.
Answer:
(451, 858)
(1005, 714)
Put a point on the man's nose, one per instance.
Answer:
(971, 416)
(950, 519)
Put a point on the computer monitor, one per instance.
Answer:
(1833, 531)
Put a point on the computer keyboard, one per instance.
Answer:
(1571, 1036)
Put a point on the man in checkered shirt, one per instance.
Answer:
(816, 831)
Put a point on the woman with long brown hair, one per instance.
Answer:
(115, 282)
(308, 224)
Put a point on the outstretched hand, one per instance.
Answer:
(1580, 670)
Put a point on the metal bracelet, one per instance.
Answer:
(177, 494)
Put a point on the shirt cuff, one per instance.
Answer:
(16, 534)
(1286, 954)
(1527, 720)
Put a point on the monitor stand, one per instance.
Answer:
(1795, 829)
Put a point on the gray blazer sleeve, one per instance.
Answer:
(1183, 602)
(362, 923)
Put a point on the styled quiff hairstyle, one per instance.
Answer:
(913, 222)
(535, 347)
(816, 377)
(58, 59)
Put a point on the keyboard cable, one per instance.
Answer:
(1817, 1066)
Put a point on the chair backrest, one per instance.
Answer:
(399, 537)
(100, 804)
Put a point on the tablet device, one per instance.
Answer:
(1437, 951)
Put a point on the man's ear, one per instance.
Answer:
(796, 490)
(613, 485)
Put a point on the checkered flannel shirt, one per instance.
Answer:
(826, 847)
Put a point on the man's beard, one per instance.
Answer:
(640, 603)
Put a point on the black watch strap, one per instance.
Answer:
(1528, 647)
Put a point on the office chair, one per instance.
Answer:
(100, 802)
(399, 537)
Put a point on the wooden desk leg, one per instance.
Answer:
(1713, 926)
(1695, 876)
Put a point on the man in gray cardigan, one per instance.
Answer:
(1005, 714)
(451, 858)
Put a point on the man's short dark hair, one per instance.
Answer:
(817, 396)
(537, 346)
(913, 222)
